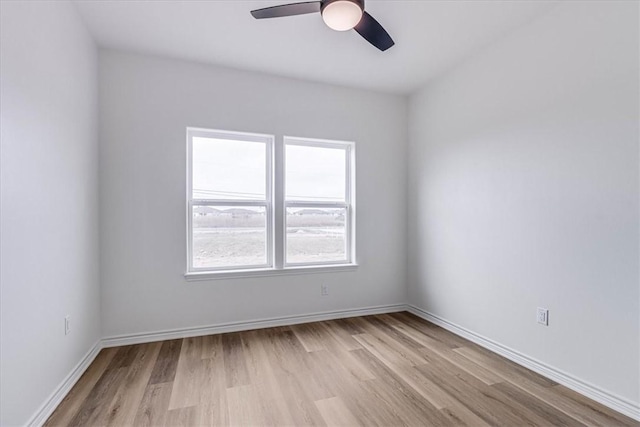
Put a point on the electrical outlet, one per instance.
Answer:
(543, 316)
(67, 325)
(324, 290)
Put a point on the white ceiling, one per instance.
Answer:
(430, 36)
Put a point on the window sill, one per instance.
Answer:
(266, 272)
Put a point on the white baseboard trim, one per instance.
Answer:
(52, 402)
(611, 400)
(221, 328)
(608, 399)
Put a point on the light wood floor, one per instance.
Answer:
(383, 370)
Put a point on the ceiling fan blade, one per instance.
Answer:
(287, 10)
(373, 32)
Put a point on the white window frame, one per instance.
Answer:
(347, 204)
(267, 203)
(275, 207)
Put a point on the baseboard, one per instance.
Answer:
(608, 399)
(221, 328)
(52, 402)
(591, 391)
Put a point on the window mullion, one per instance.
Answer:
(232, 202)
(314, 204)
(279, 229)
(270, 249)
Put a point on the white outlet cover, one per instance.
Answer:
(543, 316)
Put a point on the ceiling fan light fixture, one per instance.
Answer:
(342, 15)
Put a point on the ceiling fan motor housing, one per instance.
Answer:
(326, 3)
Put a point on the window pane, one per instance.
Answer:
(225, 236)
(315, 173)
(316, 235)
(228, 169)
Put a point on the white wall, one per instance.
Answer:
(145, 105)
(49, 202)
(524, 192)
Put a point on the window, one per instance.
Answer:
(229, 200)
(317, 202)
(256, 205)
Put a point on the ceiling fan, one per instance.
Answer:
(340, 15)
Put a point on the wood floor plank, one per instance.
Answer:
(234, 361)
(181, 417)
(125, 403)
(405, 373)
(339, 379)
(385, 350)
(402, 403)
(425, 345)
(212, 408)
(434, 331)
(335, 413)
(164, 370)
(589, 413)
(333, 345)
(485, 375)
(93, 409)
(290, 360)
(505, 397)
(244, 407)
(124, 357)
(310, 337)
(188, 377)
(460, 415)
(543, 413)
(581, 407)
(342, 334)
(211, 347)
(262, 376)
(154, 405)
(346, 360)
(431, 345)
(480, 400)
(300, 388)
(383, 323)
(256, 359)
(350, 325)
(71, 404)
(502, 367)
(404, 345)
(382, 370)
